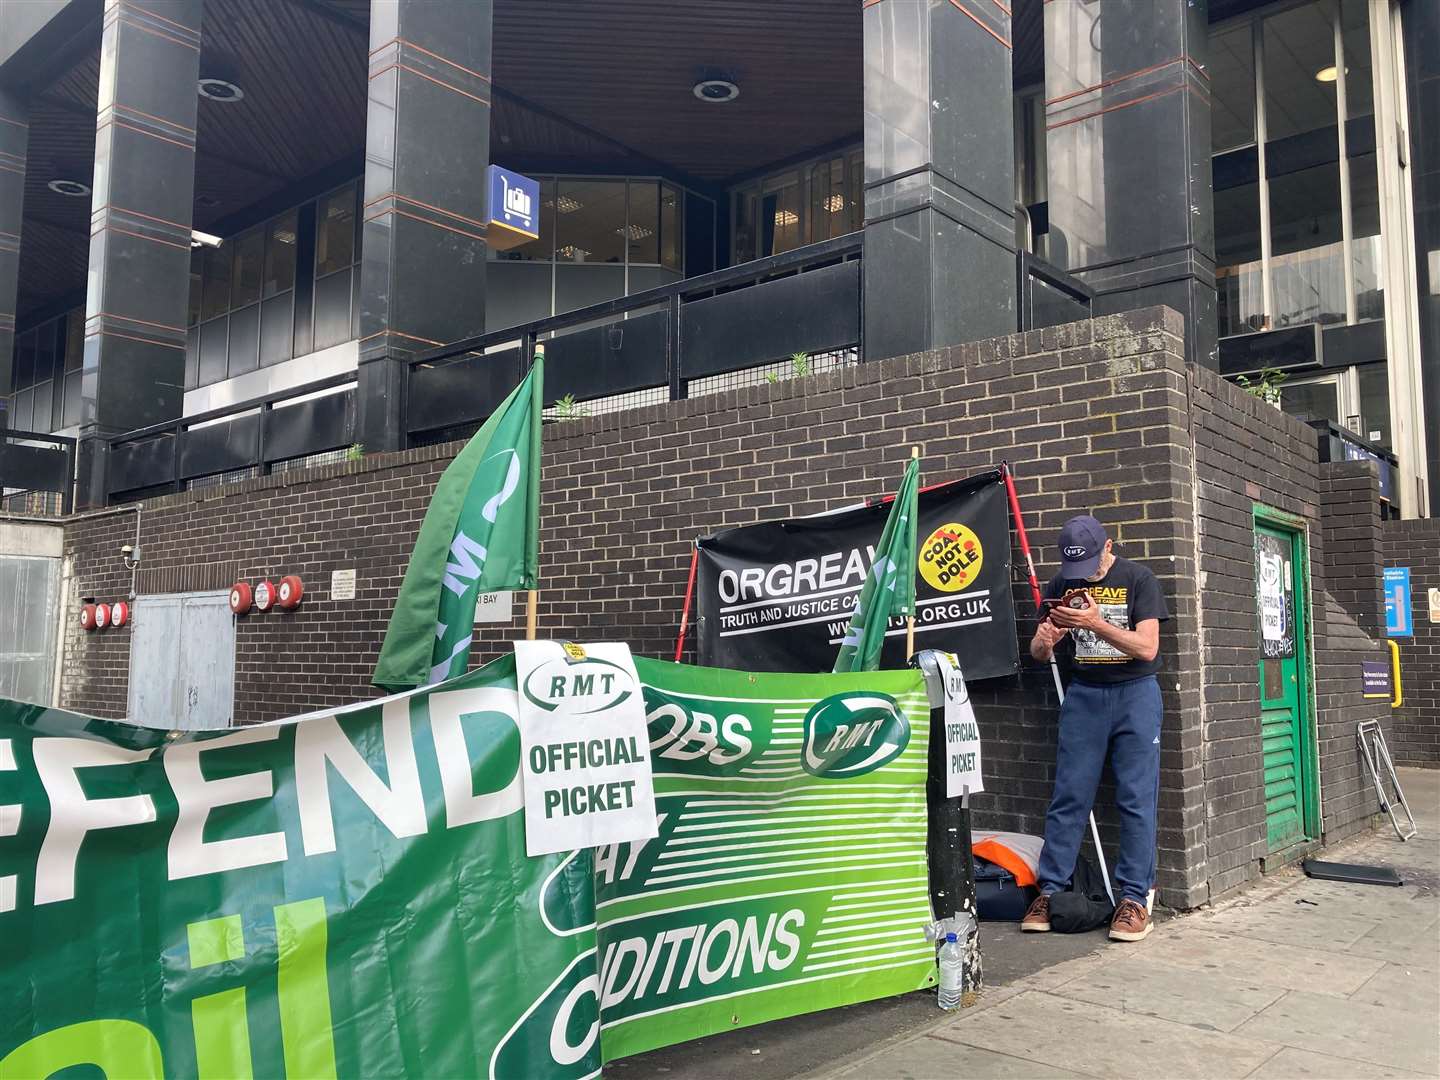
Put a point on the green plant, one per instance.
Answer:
(1265, 386)
(567, 408)
(800, 364)
(355, 451)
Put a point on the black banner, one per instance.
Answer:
(778, 596)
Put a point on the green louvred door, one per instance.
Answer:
(1279, 600)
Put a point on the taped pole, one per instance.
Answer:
(532, 600)
(1054, 667)
(910, 619)
(689, 599)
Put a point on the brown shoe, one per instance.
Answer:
(1131, 922)
(1037, 919)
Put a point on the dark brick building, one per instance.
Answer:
(1103, 416)
(1416, 544)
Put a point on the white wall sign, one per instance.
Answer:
(1434, 597)
(1272, 597)
(962, 732)
(494, 607)
(342, 584)
(584, 746)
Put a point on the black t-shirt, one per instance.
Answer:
(1128, 595)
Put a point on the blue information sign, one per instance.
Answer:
(514, 203)
(1398, 620)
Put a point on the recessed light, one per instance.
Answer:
(220, 90)
(566, 205)
(1328, 74)
(786, 217)
(715, 91)
(634, 232)
(73, 188)
(570, 251)
(835, 203)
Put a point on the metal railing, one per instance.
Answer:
(647, 347)
(37, 471)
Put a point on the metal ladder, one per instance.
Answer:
(1372, 747)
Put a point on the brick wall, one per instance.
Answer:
(1101, 416)
(1416, 736)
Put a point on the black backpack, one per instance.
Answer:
(1084, 906)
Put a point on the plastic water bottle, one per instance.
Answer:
(952, 963)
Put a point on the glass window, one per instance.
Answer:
(216, 295)
(1232, 85)
(280, 254)
(1307, 266)
(1355, 32)
(780, 214)
(590, 221)
(643, 229)
(74, 340)
(746, 209)
(46, 356)
(1366, 255)
(829, 200)
(1312, 399)
(335, 232)
(249, 268)
(672, 240)
(197, 262)
(1239, 286)
(542, 248)
(1374, 403)
(1299, 71)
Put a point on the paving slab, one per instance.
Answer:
(931, 1058)
(1401, 942)
(1406, 987)
(1372, 1033)
(1101, 1041)
(1293, 1064)
(1290, 924)
(1266, 962)
(1202, 999)
(1377, 903)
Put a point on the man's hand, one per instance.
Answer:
(1047, 636)
(1084, 618)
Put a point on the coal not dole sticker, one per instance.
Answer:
(585, 754)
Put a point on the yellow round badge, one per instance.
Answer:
(951, 557)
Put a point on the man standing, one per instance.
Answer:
(1105, 623)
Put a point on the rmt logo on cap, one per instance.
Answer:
(1082, 542)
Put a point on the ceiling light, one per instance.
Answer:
(835, 203)
(786, 217)
(570, 251)
(220, 90)
(69, 187)
(715, 91)
(566, 205)
(1327, 74)
(635, 232)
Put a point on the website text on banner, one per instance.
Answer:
(348, 893)
(779, 596)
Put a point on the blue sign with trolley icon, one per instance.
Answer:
(513, 212)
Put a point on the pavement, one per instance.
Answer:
(1294, 977)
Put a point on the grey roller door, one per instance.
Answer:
(182, 662)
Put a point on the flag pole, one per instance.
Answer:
(532, 600)
(910, 619)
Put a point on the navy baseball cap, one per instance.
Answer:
(1082, 542)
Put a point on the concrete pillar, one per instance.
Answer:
(141, 213)
(939, 175)
(14, 133)
(422, 278)
(1127, 115)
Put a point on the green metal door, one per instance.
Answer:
(1279, 598)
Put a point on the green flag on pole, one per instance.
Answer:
(481, 534)
(889, 590)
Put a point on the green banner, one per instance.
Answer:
(889, 588)
(347, 893)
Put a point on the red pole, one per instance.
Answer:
(1020, 531)
(689, 596)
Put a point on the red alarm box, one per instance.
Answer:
(264, 596)
(290, 591)
(87, 616)
(241, 596)
(119, 613)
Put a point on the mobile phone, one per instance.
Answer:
(1074, 600)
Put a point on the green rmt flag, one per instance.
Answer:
(481, 534)
(889, 590)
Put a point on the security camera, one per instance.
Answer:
(127, 550)
(130, 555)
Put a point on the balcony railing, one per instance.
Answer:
(664, 343)
(36, 472)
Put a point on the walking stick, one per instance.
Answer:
(1054, 667)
